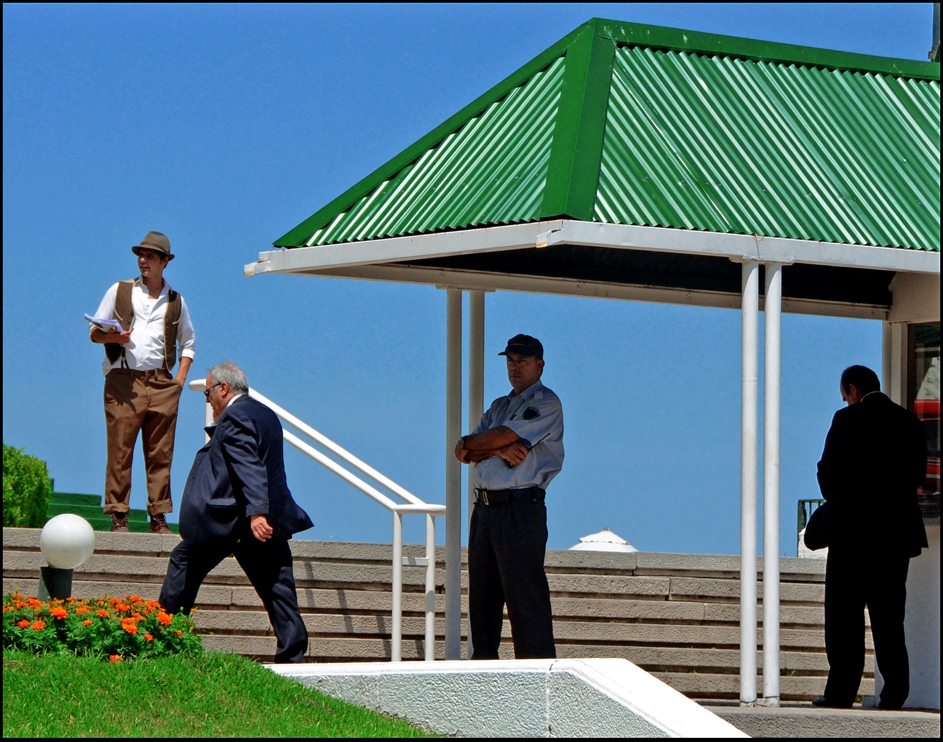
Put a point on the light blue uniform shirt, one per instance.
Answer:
(536, 415)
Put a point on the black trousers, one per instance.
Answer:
(855, 578)
(268, 565)
(506, 548)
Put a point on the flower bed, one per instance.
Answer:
(110, 628)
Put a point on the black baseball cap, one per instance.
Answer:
(524, 345)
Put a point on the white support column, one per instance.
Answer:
(476, 394)
(453, 477)
(771, 431)
(748, 459)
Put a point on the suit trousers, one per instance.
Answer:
(506, 548)
(268, 565)
(142, 402)
(855, 578)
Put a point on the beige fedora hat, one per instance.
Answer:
(155, 241)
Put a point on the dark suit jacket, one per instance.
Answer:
(874, 461)
(240, 472)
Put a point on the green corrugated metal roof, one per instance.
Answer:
(650, 126)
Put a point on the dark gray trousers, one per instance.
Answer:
(268, 565)
(506, 548)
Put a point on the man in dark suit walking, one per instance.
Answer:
(874, 460)
(236, 501)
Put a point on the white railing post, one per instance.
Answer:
(396, 653)
(429, 653)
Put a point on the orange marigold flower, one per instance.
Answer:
(22, 624)
(87, 622)
(115, 601)
(179, 634)
(115, 658)
(17, 595)
(129, 627)
(83, 609)
(21, 604)
(38, 625)
(138, 616)
(149, 637)
(164, 618)
(59, 613)
(103, 613)
(123, 607)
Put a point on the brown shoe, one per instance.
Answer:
(159, 525)
(119, 522)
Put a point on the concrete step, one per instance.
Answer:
(807, 722)
(676, 616)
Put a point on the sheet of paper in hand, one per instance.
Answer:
(107, 324)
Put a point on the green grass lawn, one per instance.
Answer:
(212, 695)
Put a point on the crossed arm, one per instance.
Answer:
(501, 441)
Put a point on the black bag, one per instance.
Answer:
(817, 534)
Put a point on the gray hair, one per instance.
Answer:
(229, 372)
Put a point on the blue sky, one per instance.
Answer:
(226, 125)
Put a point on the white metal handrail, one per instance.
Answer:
(413, 505)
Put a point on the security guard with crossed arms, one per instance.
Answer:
(515, 451)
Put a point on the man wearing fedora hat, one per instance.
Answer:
(141, 392)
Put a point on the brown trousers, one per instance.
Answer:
(145, 402)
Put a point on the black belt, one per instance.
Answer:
(499, 497)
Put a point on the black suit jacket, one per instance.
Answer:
(874, 461)
(240, 472)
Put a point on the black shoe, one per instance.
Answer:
(888, 706)
(823, 702)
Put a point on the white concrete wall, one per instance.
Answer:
(922, 628)
(518, 698)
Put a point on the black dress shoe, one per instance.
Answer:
(823, 702)
(887, 706)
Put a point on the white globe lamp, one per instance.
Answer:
(67, 541)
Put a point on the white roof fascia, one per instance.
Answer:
(619, 236)
(394, 249)
(481, 281)
(745, 247)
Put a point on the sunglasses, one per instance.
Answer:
(206, 392)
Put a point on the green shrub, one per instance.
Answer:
(26, 489)
(106, 628)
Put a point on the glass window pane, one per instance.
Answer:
(925, 397)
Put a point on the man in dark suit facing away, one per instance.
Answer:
(236, 501)
(874, 460)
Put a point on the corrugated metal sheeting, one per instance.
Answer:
(707, 133)
(724, 144)
(490, 171)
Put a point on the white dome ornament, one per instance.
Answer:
(66, 541)
(605, 540)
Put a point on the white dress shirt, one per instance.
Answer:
(147, 330)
